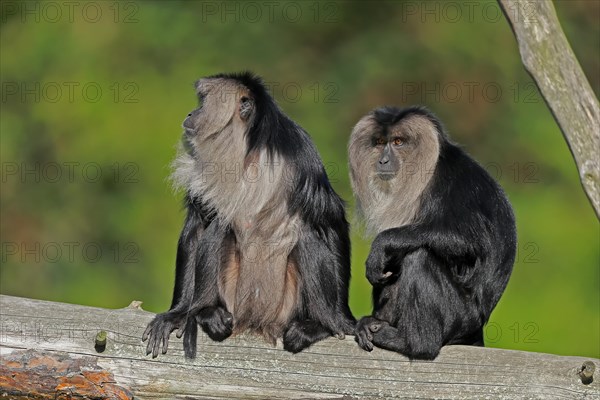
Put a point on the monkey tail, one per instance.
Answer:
(190, 337)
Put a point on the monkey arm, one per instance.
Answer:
(391, 246)
(185, 264)
(206, 307)
(159, 329)
(443, 243)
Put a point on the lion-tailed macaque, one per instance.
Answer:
(265, 244)
(445, 237)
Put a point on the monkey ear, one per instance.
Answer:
(246, 107)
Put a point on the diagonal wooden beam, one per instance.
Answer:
(550, 61)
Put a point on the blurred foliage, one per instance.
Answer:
(93, 96)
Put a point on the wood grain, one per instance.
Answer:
(247, 368)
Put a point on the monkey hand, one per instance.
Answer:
(378, 266)
(158, 331)
(388, 251)
(365, 330)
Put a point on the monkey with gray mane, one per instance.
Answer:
(445, 237)
(265, 245)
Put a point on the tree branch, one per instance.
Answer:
(550, 61)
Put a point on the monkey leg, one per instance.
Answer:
(422, 304)
(158, 331)
(210, 308)
(323, 310)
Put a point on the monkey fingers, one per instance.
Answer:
(158, 331)
(364, 331)
(377, 274)
(179, 332)
(387, 337)
(217, 322)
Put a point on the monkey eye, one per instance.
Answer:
(380, 141)
(398, 141)
(244, 100)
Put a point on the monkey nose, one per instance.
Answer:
(384, 160)
(188, 123)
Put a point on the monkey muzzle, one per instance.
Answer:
(387, 165)
(189, 122)
(386, 176)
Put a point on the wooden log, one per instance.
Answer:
(550, 61)
(246, 367)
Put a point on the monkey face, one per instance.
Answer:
(399, 149)
(393, 154)
(389, 155)
(222, 103)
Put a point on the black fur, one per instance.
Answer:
(437, 280)
(322, 253)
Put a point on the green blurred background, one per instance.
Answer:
(93, 96)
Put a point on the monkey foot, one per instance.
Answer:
(216, 322)
(301, 334)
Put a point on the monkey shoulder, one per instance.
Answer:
(312, 195)
(463, 197)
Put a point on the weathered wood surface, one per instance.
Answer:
(550, 61)
(246, 367)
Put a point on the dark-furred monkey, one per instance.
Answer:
(445, 237)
